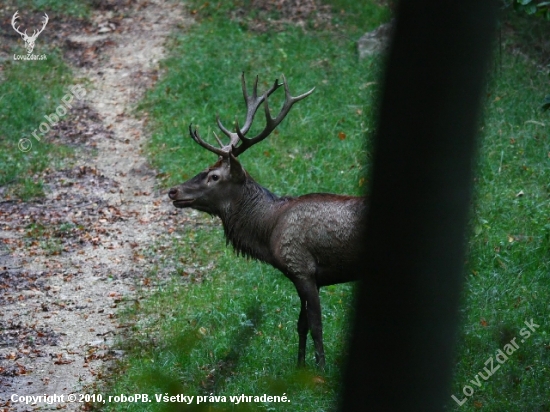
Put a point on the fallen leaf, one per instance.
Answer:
(63, 361)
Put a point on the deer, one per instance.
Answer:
(313, 239)
(29, 40)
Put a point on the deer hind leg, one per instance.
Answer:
(303, 328)
(316, 326)
(310, 319)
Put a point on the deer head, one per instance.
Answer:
(29, 40)
(210, 190)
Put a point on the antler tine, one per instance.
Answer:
(46, 19)
(195, 136)
(271, 123)
(233, 137)
(218, 139)
(35, 33)
(245, 90)
(13, 21)
(253, 102)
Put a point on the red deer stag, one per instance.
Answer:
(313, 239)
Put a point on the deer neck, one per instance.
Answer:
(248, 221)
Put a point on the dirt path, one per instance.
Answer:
(67, 262)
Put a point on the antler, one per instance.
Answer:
(46, 19)
(253, 102)
(34, 33)
(13, 19)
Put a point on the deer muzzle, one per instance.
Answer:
(178, 201)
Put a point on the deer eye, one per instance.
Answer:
(214, 178)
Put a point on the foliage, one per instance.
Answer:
(533, 7)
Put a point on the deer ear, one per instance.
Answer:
(235, 169)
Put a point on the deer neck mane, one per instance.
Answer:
(249, 221)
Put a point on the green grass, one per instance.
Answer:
(226, 326)
(80, 8)
(358, 17)
(326, 130)
(29, 90)
(509, 262)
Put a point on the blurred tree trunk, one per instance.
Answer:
(401, 354)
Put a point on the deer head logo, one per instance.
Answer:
(29, 40)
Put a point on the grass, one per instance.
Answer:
(226, 326)
(509, 263)
(358, 17)
(80, 8)
(29, 90)
(328, 127)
